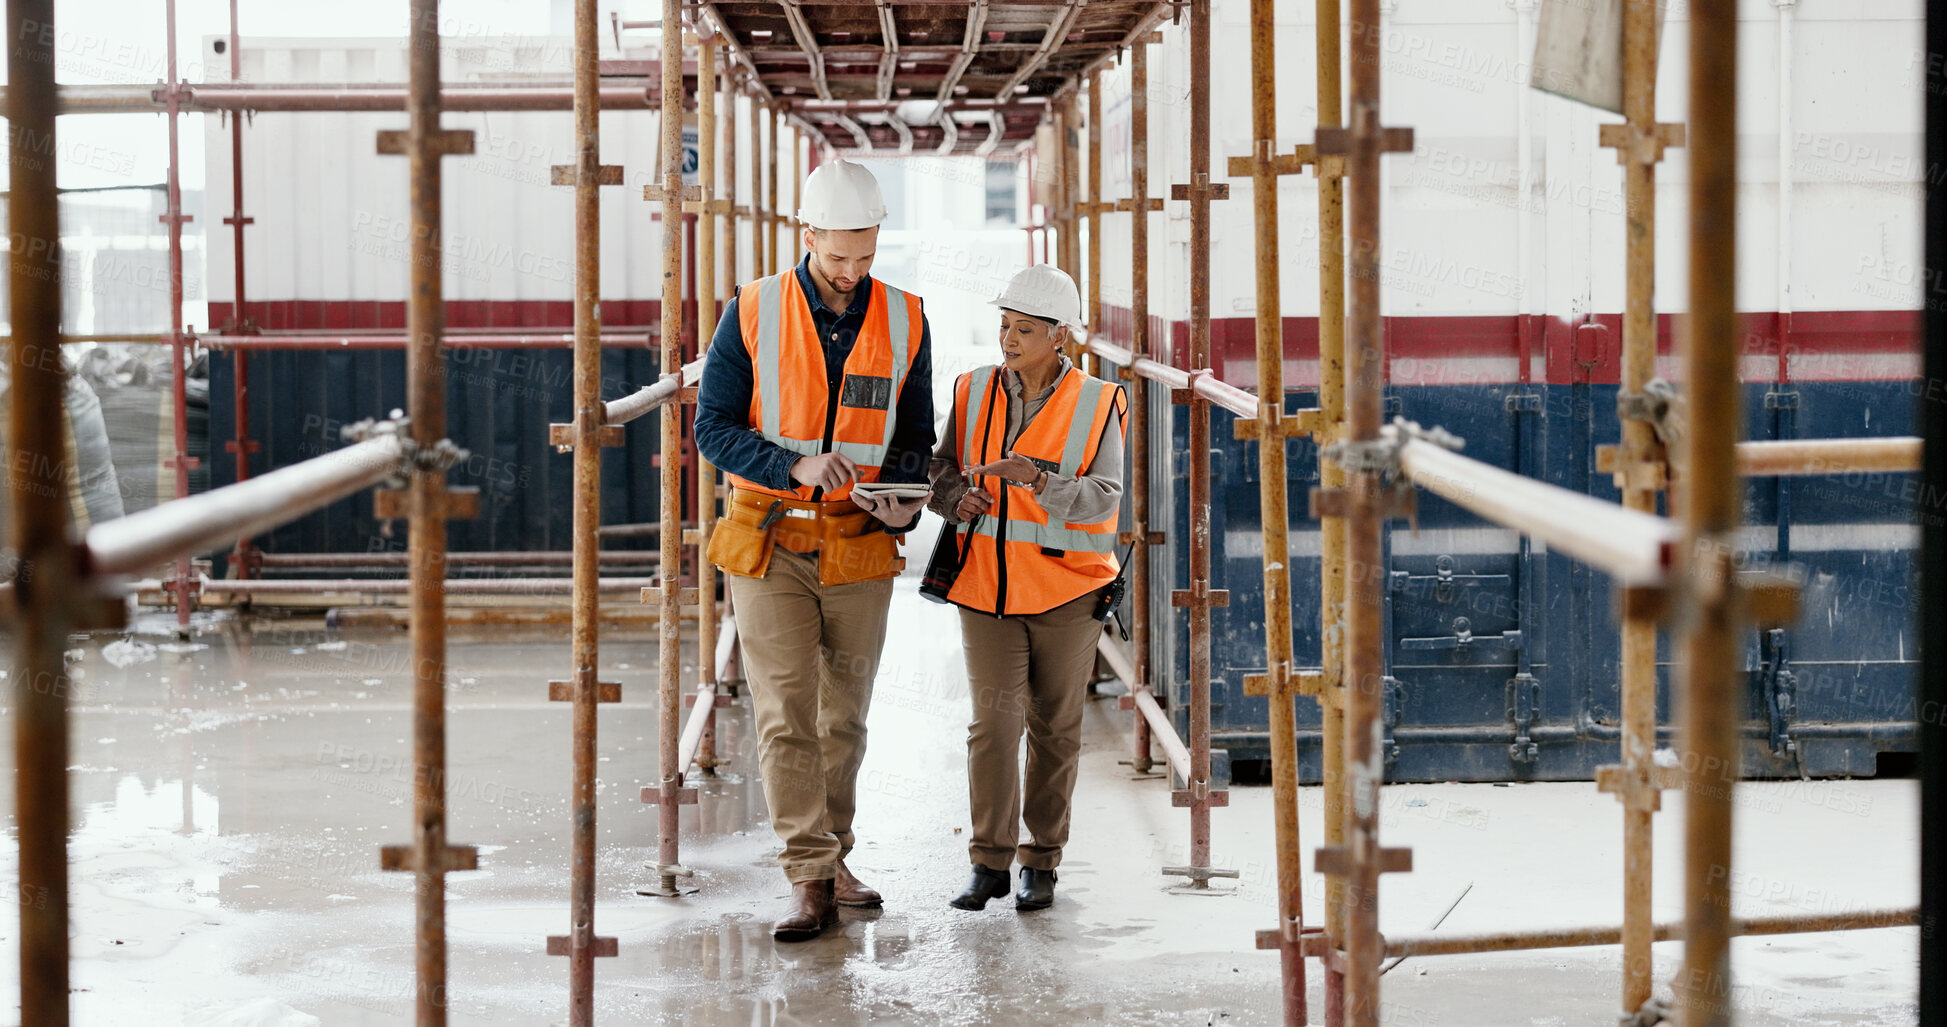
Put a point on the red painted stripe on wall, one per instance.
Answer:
(1811, 346)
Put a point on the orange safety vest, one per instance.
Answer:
(1018, 562)
(789, 389)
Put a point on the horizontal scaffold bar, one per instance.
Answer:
(1827, 456)
(1159, 722)
(200, 523)
(402, 586)
(1634, 547)
(649, 397)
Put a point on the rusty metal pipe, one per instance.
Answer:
(669, 646)
(179, 462)
(471, 338)
(179, 529)
(1364, 662)
(1281, 676)
(537, 558)
(38, 521)
(1828, 456)
(1712, 494)
(426, 535)
(456, 97)
(590, 417)
(405, 586)
(1139, 345)
(703, 751)
(240, 390)
(1331, 530)
(1095, 212)
(1639, 446)
(1200, 597)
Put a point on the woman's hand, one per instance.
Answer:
(973, 503)
(1016, 468)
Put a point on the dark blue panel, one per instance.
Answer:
(499, 405)
(1458, 589)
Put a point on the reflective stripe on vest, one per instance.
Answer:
(772, 298)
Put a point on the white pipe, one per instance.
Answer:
(1524, 51)
(1787, 10)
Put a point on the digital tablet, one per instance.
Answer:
(890, 490)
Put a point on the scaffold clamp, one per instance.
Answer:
(1640, 144)
(1272, 419)
(565, 174)
(1660, 404)
(564, 945)
(564, 691)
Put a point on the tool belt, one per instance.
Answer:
(847, 540)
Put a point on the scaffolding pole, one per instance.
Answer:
(1331, 477)
(590, 431)
(428, 504)
(1139, 538)
(1642, 472)
(1281, 683)
(1358, 860)
(1199, 597)
(707, 207)
(180, 462)
(38, 522)
(243, 556)
(1712, 494)
(1094, 209)
(670, 876)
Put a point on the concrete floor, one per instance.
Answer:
(230, 801)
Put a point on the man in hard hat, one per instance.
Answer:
(819, 379)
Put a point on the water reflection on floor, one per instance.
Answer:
(231, 796)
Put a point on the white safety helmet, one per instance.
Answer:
(1044, 291)
(841, 196)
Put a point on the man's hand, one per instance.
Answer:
(828, 471)
(894, 513)
(974, 502)
(1016, 468)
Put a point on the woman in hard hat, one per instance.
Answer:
(1029, 475)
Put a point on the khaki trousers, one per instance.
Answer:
(1027, 672)
(810, 654)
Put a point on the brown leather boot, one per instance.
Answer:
(811, 912)
(848, 891)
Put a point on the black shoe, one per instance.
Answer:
(986, 884)
(1037, 889)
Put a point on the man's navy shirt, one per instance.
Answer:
(723, 432)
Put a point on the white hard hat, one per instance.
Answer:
(1044, 291)
(842, 196)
